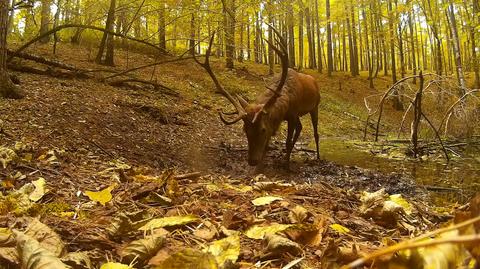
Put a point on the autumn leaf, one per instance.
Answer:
(168, 221)
(265, 200)
(104, 196)
(259, 232)
(225, 249)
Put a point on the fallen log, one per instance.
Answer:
(43, 60)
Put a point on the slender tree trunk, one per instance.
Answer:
(191, 44)
(162, 42)
(45, 20)
(270, 38)
(291, 34)
(229, 13)
(456, 49)
(329, 40)
(55, 24)
(311, 46)
(369, 62)
(106, 40)
(249, 56)
(350, 47)
(319, 42)
(473, 44)
(391, 17)
(355, 69)
(300, 35)
(412, 46)
(7, 88)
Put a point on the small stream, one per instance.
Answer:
(456, 180)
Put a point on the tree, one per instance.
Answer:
(45, 19)
(456, 49)
(7, 88)
(107, 39)
(329, 40)
(229, 15)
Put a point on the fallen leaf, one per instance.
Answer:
(225, 249)
(34, 256)
(259, 232)
(399, 200)
(142, 249)
(189, 259)
(168, 221)
(104, 196)
(339, 228)
(115, 265)
(45, 236)
(39, 190)
(77, 260)
(298, 214)
(277, 245)
(265, 200)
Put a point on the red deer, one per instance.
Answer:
(295, 95)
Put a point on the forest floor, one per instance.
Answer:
(84, 135)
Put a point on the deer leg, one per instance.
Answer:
(314, 116)
(289, 144)
(298, 130)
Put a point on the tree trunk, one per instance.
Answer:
(270, 38)
(412, 46)
(291, 35)
(456, 49)
(162, 42)
(475, 60)
(107, 39)
(319, 40)
(355, 70)
(311, 45)
(300, 35)
(391, 17)
(329, 39)
(229, 13)
(45, 20)
(7, 88)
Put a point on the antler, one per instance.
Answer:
(283, 54)
(238, 102)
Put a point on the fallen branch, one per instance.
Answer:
(447, 115)
(43, 60)
(65, 26)
(146, 66)
(416, 242)
(46, 72)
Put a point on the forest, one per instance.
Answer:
(239, 134)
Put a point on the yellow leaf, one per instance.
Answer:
(189, 259)
(265, 200)
(259, 232)
(168, 221)
(225, 249)
(399, 200)
(339, 228)
(39, 190)
(115, 265)
(104, 196)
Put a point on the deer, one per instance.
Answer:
(290, 97)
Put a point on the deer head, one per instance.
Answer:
(256, 116)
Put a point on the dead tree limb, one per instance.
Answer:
(146, 66)
(43, 60)
(385, 95)
(437, 135)
(65, 26)
(448, 114)
(417, 115)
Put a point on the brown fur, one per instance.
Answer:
(299, 96)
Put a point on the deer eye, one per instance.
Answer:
(263, 130)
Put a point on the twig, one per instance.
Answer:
(414, 243)
(188, 175)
